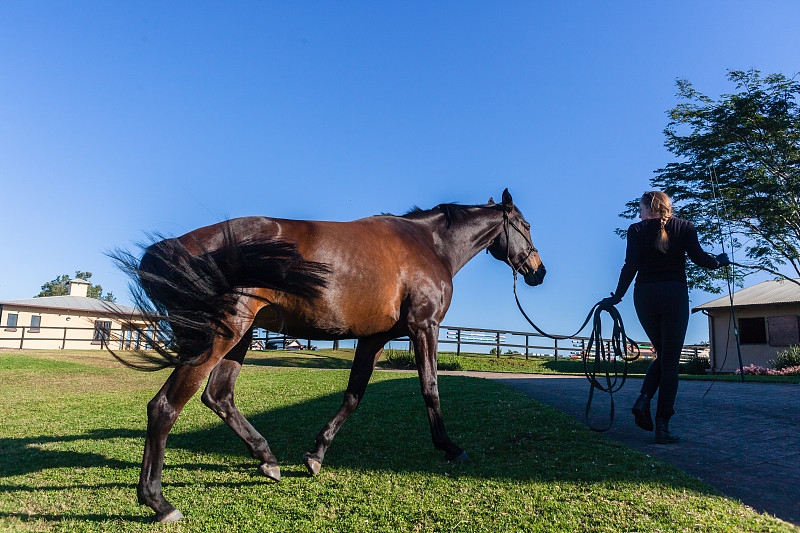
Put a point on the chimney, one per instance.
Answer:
(78, 287)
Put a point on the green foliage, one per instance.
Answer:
(749, 142)
(448, 361)
(696, 366)
(788, 358)
(59, 287)
(399, 358)
(405, 359)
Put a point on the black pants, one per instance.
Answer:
(663, 310)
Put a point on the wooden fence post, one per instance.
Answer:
(526, 347)
(555, 349)
(497, 337)
(458, 343)
(64, 339)
(22, 337)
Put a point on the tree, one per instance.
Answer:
(737, 175)
(58, 287)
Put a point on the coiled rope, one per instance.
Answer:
(608, 358)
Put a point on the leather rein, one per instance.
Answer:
(608, 358)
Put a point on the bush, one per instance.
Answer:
(448, 361)
(405, 359)
(788, 358)
(696, 366)
(400, 358)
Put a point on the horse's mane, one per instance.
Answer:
(452, 212)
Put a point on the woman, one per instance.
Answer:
(657, 249)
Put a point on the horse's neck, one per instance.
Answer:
(465, 238)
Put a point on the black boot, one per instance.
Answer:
(663, 436)
(641, 412)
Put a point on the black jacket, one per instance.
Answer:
(643, 257)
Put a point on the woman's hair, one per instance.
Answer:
(659, 204)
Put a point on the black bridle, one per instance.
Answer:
(508, 223)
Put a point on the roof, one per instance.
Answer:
(73, 303)
(764, 293)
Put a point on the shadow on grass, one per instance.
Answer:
(93, 517)
(300, 362)
(507, 435)
(19, 456)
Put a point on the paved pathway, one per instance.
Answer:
(742, 438)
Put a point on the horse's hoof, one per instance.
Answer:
(463, 458)
(312, 464)
(172, 516)
(272, 472)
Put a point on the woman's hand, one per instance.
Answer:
(608, 303)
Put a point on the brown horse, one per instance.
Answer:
(373, 279)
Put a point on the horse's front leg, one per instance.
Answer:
(367, 353)
(425, 347)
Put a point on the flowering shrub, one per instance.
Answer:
(755, 370)
(788, 358)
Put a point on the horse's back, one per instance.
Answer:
(374, 266)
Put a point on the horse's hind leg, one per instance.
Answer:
(218, 396)
(162, 412)
(367, 353)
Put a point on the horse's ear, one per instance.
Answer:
(508, 202)
(491, 201)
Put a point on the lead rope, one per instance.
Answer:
(619, 343)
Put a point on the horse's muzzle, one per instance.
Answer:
(535, 277)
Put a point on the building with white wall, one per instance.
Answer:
(67, 322)
(768, 319)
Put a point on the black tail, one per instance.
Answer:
(184, 298)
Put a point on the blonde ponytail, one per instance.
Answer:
(660, 205)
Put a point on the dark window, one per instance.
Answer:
(36, 322)
(752, 330)
(783, 330)
(102, 329)
(11, 325)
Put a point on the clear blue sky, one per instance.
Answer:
(121, 118)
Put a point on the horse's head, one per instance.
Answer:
(514, 245)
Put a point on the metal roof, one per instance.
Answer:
(73, 303)
(764, 293)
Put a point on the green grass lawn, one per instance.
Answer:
(72, 429)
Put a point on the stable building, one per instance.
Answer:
(74, 321)
(768, 318)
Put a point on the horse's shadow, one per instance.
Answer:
(520, 440)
